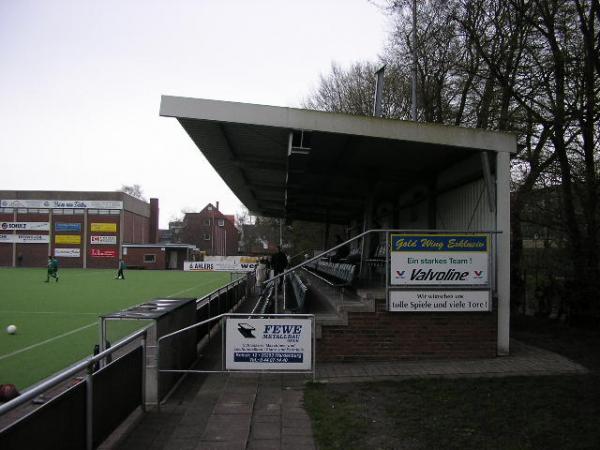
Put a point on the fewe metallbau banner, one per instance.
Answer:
(268, 344)
(24, 238)
(24, 226)
(439, 259)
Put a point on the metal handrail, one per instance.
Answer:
(62, 376)
(363, 234)
(210, 295)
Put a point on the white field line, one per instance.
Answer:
(189, 289)
(81, 328)
(48, 340)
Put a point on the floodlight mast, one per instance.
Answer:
(378, 92)
(413, 106)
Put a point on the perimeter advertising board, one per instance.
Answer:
(101, 253)
(24, 226)
(218, 266)
(24, 238)
(268, 344)
(67, 239)
(103, 240)
(62, 226)
(439, 259)
(104, 227)
(67, 252)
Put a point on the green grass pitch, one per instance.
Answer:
(57, 323)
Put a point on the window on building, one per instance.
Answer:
(149, 258)
(68, 212)
(206, 236)
(22, 210)
(221, 222)
(58, 212)
(207, 222)
(79, 212)
(92, 211)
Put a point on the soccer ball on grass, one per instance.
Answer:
(11, 329)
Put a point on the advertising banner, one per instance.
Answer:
(439, 259)
(218, 266)
(439, 301)
(24, 226)
(97, 253)
(67, 239)
(58, 204)
(24, 238)
(104, 227)
(58, 226)
(67, 252)
(268, 344)
(103, 240)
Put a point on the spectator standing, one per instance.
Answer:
(261, 275)
(279, 262)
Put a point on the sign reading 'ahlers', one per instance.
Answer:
(439, 259)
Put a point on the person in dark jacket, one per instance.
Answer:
(279, 262)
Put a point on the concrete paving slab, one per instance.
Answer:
(265, 430)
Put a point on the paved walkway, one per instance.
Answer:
(249, 411)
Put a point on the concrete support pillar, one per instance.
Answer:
(503, 250)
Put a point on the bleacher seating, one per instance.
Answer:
(341, 274)
(378, 256)
(300, 291)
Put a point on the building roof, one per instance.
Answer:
(161, 245)
(327, 170)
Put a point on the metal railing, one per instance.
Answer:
(363, 235)
(87, 366)
(218, 318)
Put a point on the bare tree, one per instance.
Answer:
(134, 190)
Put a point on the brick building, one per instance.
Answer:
(211, 231)
(82, 229)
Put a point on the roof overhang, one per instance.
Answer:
(260, 153)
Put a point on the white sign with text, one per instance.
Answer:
(268, 344)
(22, 226)
(439, 301)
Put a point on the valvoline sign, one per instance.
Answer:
(439, 259)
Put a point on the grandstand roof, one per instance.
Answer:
(328, 171)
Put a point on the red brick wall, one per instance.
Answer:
(136, 229)
(102, 262)
(386, 336)
(34, 255)
(6, 250)
(135, 257)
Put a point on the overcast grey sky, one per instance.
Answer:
(80, 84)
